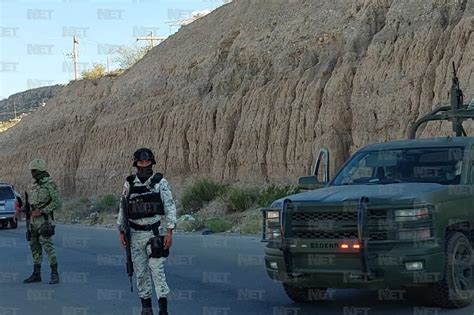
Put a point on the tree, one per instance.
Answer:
(129, 55)
(97, 71)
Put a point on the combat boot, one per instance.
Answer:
(36, 276)
(146, 307)
(54, 274)
(163, 303)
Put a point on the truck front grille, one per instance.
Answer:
(337, 225)
(315, 216)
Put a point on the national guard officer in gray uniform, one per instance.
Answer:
(44, 200)
(150, 202)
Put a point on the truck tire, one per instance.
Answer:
(13, 223)
(454, 291)
(304, 295)
(4, 223)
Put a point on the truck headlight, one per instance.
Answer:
(411, 214)
(271, 225)
(273, 214)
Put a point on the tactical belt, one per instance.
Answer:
(147, 227)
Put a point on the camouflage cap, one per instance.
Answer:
(38, 164)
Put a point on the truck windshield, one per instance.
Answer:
(414, 165)
(6, 193)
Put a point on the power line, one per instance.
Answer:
(151, 38)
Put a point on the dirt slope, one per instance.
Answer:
(252, 90)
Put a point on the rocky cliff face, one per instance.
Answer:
(252, 90)
(27, 101)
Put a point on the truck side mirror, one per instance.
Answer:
(310, 183)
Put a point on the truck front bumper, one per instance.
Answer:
(343, 270)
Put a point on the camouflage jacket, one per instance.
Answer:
(44, 196)
(168, 203)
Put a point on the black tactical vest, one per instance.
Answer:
(143, 202)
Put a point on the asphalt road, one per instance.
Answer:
(208, 275)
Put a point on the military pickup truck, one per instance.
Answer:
(396, 215)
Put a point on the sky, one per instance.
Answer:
(36, 37)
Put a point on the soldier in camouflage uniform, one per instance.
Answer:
(44, 200)
(150, 203)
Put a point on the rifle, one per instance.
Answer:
(27, 211)
(128, 239)
(456, 103)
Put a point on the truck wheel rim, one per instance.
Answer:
(462, 269)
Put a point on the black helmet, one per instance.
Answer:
(143, 154)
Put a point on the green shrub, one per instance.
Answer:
(240, 199)
(271, 193)
(107, 203)
(199, 193)
(217, 225)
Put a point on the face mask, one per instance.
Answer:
(37, 175)
(144, 172)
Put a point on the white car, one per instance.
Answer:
(9, 201)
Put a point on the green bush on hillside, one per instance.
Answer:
(240, 199)
(202, 191)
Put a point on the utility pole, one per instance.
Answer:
(151, 38)
(75, 42)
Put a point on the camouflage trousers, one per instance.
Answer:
(38, 243)
(147, 269)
